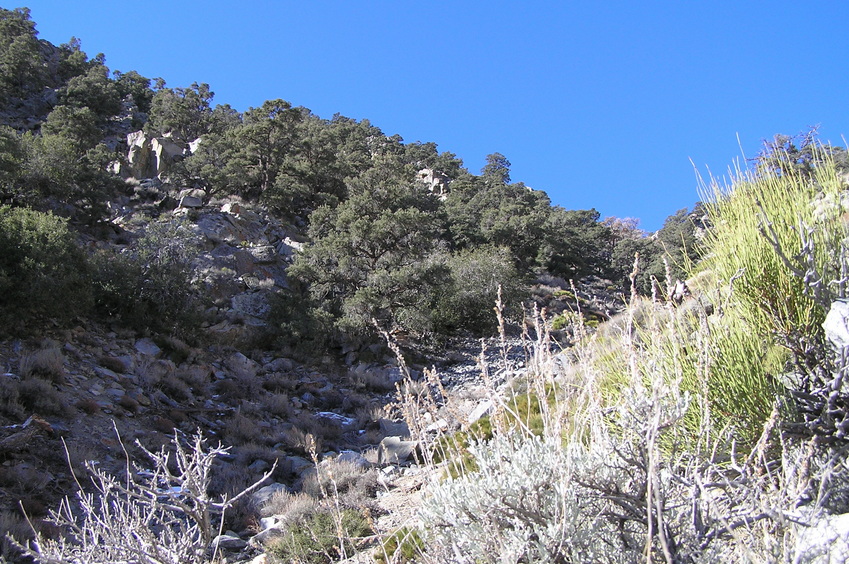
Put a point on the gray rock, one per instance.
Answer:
(259, 466)
(191, 202)
(825, 542)
(242, 365)
(193, 145)
(263, 254)
(299, 464)
(391, 428)
(836, 324)
(280, 365)
(263, 495)
(164, 152)
(263, 537)
(273, 522)
(393, 450)
(483, 408)
(229, 541)
(254, 304)
(147, 347)
(354, 458)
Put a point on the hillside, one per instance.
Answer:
(317, 296)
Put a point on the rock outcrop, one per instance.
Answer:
(152, 156)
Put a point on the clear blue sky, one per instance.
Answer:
(600, 104)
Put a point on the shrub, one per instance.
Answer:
(39, 396)
(321, 537)
(48, 364)
(43, 273)
(475, 277)
(771, 300)
(150, 287)
(164, 518)
(343, 480)
(402, 546)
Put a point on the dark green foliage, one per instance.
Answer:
(77, 124)
(72, 60)
(488, 211)
(185, 113)
(11, 160)
(135, 86)
(42, 271)
(675, 241)
(21, 70)
(798, 155)
(405, 545)
(573, 243)
(95, 91)
(150, 287)
(57, 174)
(496, 170)
(467, 298)
(371, 257)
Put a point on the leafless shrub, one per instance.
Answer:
(14, 531)
(197, 380)
(342, 479)
(10, 404)
(277, 382)
(299, 440)
(175, 389)
(129, 403)
(240, 430)
(148, 516)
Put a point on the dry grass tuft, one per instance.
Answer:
(48, 364)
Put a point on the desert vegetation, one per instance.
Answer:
(297, 290)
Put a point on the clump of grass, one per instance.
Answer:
(39, 396)
(278, 405)
(403, 546)
(342, 480)
(112, 363)
(290, 507)
(88, 405)
(10, 404)
(47, 363)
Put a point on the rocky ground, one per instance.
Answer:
(88, 393)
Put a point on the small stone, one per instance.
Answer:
(229, 541)
(147, 347)
(353, 458)
(258, 466)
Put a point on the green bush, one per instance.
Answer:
(321, 537)
(43, 274)
(405, 545)
(150, 287)
(468, 296)
(771, 300)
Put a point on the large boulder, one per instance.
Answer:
(150, 157)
